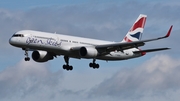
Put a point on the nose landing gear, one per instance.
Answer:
(27, 56)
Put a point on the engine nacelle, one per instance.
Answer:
(88, 52)
(41, 56)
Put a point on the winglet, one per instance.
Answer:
(169, 32)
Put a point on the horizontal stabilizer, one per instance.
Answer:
(151, 50)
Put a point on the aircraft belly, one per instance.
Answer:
(118, 56)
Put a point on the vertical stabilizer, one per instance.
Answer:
(135, 33)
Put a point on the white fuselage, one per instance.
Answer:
(63, 44)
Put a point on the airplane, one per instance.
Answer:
(46, 46)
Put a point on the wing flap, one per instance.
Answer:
(105, 49)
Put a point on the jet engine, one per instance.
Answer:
(41, 56)
(88, 52)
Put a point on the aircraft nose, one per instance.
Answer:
(12, 41)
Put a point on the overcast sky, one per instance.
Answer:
(152, 77)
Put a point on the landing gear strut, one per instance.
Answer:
(27, 56)
(67, 66)
(94, 65)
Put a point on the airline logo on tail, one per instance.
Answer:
(136, 30)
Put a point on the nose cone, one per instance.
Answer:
(12, 41)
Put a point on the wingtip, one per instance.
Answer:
(166, 48)
(169, 32)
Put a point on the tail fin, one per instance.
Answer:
(136, 30)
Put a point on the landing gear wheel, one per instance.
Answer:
(26, 54)
(97, 66)
(64, 66)
(27, 59)
(70, 67)
(90, 64)
(67, 67)
(94, 65)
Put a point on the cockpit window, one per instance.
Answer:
(18, 35)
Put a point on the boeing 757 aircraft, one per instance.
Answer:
(46, 46)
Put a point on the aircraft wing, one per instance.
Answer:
(150, 50)
(105, 49)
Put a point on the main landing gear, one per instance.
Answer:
(67, 66)
(94, 65)
(27, 56)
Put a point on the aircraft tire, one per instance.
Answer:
(67, 67)
(27, 59)
(90, 64)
